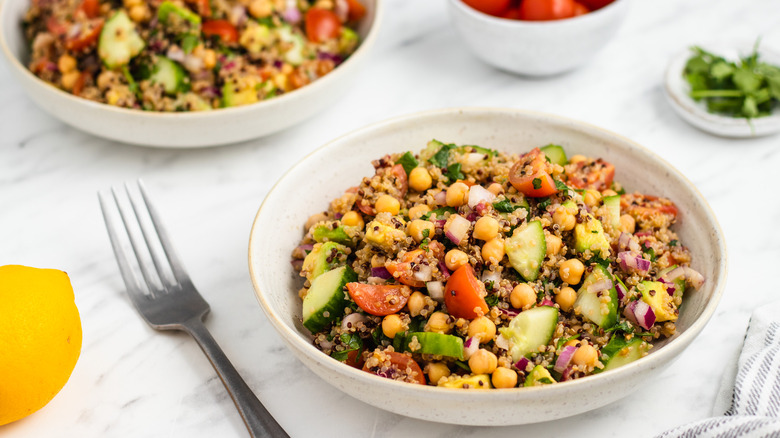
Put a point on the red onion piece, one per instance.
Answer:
(600, 285)
(547, 302)
(470, 347)
(237, 15)
(629, 261)
(175, 53)
(481, 208)
(564, 358)
(341, 9)
(488, 275)
(291, 12)
(640, 313)
(694, 278)
(566, 374)
(297, 264)
(381, 272)
(444, 271)
(674, 274)
(440, 198)
(458, 229)
(436, 290)
(510, 313)
(479, 194)
(501, 342)
(522, 364)
(351, 320)
(623, 241)
(621, 291)
(306, 247)
(424, 273)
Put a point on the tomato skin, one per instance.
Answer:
(403, 361)
(646, 206)
(204, 8)
(55, 27)
(90, 8)
(590, 174)
(580, 9)
(355, 358)
(322, 25)
(221, 28)
(401, 180)
(490, 7)
(595, 4)
(87, 37)
(379, 300)
(355, 9)
(464, 294)
(78, 86)
(531, 175)
(404, 267)
(544, 10)
(511, 14)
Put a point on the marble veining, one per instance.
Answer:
(134, 381)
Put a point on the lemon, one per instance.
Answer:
(40, 338)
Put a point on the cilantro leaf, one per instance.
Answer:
(408, 161)
(561, 186)
(504, 206)
(439, 212)
(352, 342)
(491, 300)
(442, 157)
(537, 182)
(453, 172)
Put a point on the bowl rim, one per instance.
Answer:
(361, 52)
(657, 359)
(511, 23)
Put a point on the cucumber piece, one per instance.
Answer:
(477, 381)
(348, 40)
(324, 233)
(430, 150)
(589, 235)
(323, 258)
(526, 249)
(119, 41)
(531, 329)
(555, 153)
(256, 37)
(326, 299)
(619, 352)
(538, 376)
(654, 294)
(435, 343)
(170, 74)
(171, 15)
(235, 93)
(598, 307)
(295, 53)
(612, 204)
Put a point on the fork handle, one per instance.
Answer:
(257, 419)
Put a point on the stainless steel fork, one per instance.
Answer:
(173, 303)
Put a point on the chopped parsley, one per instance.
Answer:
(350, 340)
(544, 203)
(674, 243)
(491, 300)
(649, 251)
(504, 206)
(442, 157)
(453, 172)
(561, 186)
(537, 182)
(408, 161)
(439, 212)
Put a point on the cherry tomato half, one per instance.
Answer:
(464, 294)
(355, 10)
(531, 175)
(90, 8)
(402, 362)
(595, 4)
(322, 25)
(379, 300)
(491, 7)
(87, 37)
(580, 9)
(590, 173)
(543, 10)
(404, 268)
(221, 28)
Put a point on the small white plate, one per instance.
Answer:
(677, 93)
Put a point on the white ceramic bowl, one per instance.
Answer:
(324, 175)
(677, 92)
(537, 48)
(184, 129)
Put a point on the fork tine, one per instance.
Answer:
(176, 265)
(130, 279)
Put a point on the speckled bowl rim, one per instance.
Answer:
(507, 22)
(656, 359)
(362, 51)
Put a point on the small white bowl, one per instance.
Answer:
(324, 175)
(537, 48)
(184, 129)
(677, 92)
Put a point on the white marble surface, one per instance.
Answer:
(133, 381)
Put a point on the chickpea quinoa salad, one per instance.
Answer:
(188, 55)
(465, 267)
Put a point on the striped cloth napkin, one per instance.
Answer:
(749, 398)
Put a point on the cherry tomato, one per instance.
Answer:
(464, 294)
(595, 4)
(379, 300)
(55, 26)
(355, 358)
(491, 7)
(87, 37)
(644, 207)
(511, 14)
(580, 9)
(90, 8)
(78, 86)
(204, 8)
(590, 173)
(531, 175)
(401, 181)
(543, 10)
(402, 362)
(355, 10)
(404, 268)
(322, 25)
(221, 28)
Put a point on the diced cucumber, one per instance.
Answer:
(654, 294)
(619, 352)
(170, 74)
(430, 150)
(531, 329)
(599, 307)
(326, 298)
(170, 14)
(255, 37)
(526, 249)
(235, 93)
(322, 258)
(538, 376)
(477, 381)
(295, 53)
(589, 235)
(119, 41)
(435, 343)
(324, 233)
(555, 153)
(348, 40)
(612, 204)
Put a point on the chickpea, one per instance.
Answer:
(391, 325)
(69, 79)
(437, 370)
(483, 329)
(577, 158)
(522, 296)
(565, 298)
(457, 194)
(495, 189)
(483, 362)
(592, 198)
(314, 219)
(493, 251)
(66, 64)
(139, 13)
(418, 211)
(439, 322)
(420, 179)
(281, 82)
(627, 223)
(417, 228)
(486, 228)
(455, 258)
(416, 303)
(260, 8)
(571, 271)
(504, 378)
(554, 243)
(387, 204)
(353, 219)
(104, 81)
(585, 356)
(209, 59)
(564, 218)
(608, 192)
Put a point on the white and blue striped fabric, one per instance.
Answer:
(749, 399)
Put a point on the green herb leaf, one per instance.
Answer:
(442, 157)
(504, 206)
(544, 203)
(408, 161)
(674, 242)
(491, 300)
(439, 212)
(352, 342)
(453, 172)
(537, 182)
(561, 186)
(189, 42)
